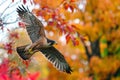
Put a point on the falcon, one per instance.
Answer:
(40, 42)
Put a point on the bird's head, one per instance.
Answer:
(51, 42)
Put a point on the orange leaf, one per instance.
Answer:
(67, 38)
(76, 42)
(66, 5)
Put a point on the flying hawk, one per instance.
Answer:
(40, 42)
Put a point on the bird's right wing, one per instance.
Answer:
(34, 26)
(57, 59)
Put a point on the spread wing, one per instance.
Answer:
(34, 27)
(35, 30)
(51, 53)
(57, 59)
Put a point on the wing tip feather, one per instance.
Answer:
(21, 10)
(69, 70)
(57, 59)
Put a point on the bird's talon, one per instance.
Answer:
(30, 51)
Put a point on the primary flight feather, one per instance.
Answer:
(40, 42)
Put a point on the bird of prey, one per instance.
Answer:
(40, 42)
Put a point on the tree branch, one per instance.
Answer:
(5, 10)
(87, 51)
(86, 48)
(10, 22)
(95, 46)
(2, 2)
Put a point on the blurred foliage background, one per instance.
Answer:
(87, 32)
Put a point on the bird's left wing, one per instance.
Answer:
(35, 28)
(56, 58)
(51, 53)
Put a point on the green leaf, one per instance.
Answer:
(117, 50)
(105, 53)
(104, 41)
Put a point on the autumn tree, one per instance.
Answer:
(92, 23)
(87, 32)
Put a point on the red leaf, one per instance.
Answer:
(8, 47)
(14, 35)
(4, 77)
(53, 15)
(82, 38)
(8, 72)
(4, 67)
(70, 29)
(12, 0)
(76, 42)
(66, 6)
(51, 23)
(9, 51)
(24, 1)
(15, 74)
(67, 38)
(26, 62)
(21, 24)
(34, 76)
(72, 8)
(72, 0)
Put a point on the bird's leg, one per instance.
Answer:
(28, 47)
(32, 47)
(24, 54)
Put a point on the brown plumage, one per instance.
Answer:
(40, 42)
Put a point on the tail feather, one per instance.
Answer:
(22, 53)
